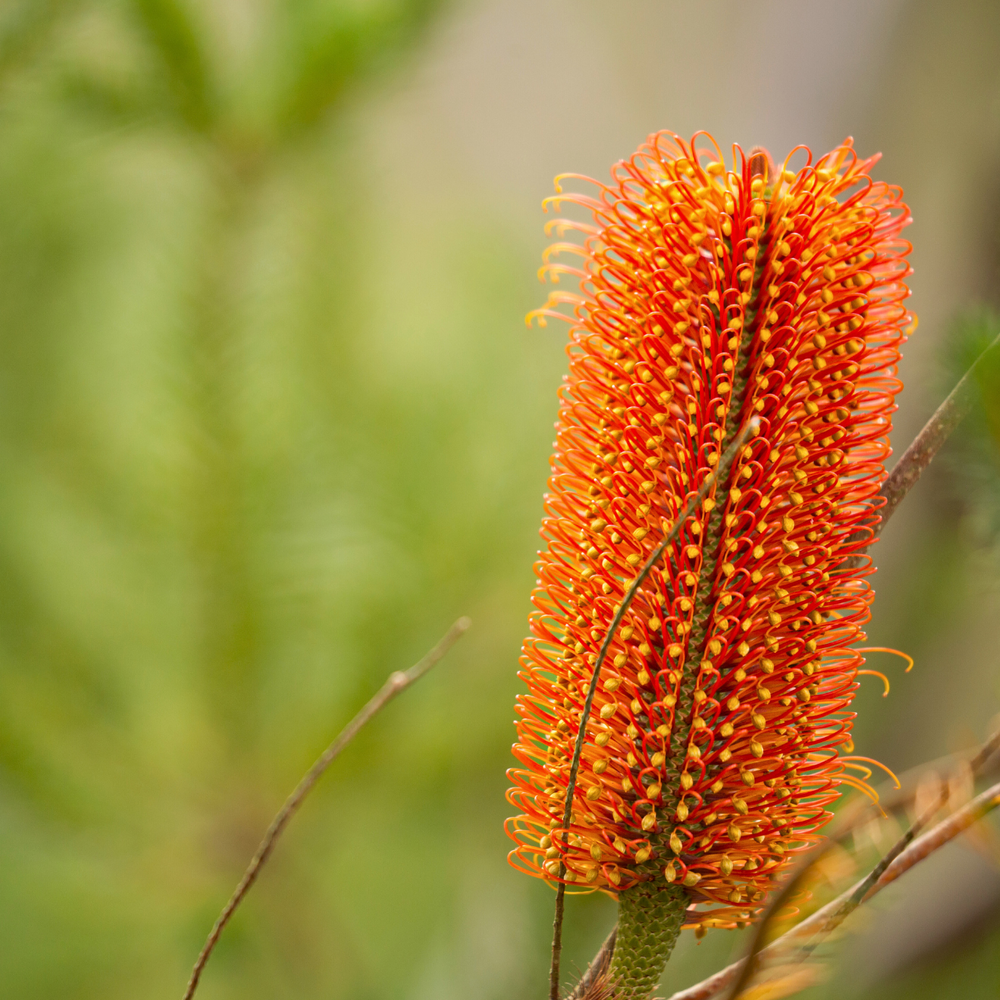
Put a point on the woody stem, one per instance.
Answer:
(649, 921)
(922, 449)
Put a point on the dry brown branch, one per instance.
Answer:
(976, 765)
(398, 681)
(750, 964)
(983, 763)
(923, 448)
(689, 508)
(598, 966)
(958, 822)
(846, 826)
(829, 917)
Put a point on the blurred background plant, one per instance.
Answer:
(270, 420)
(974, 457)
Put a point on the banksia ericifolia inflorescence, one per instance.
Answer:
(720, 730)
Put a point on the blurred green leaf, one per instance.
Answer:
(237, 487)
(172, 30)
(25, 27)
(329, 46)
(107, 103)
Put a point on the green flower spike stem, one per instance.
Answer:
(649, 920)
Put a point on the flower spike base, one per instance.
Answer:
(649, 920)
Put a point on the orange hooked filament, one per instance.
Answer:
(711, 294)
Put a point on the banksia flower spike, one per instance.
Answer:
(720, 731)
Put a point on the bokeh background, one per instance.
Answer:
(270, 419)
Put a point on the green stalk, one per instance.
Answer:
(649, 920)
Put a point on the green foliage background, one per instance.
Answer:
(254, 457)
(262, 438)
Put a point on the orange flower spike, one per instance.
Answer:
(708, 296)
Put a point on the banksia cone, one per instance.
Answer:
(717, 739)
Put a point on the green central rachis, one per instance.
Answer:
(651, 913)
(704, 596)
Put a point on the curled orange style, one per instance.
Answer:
(709, 294)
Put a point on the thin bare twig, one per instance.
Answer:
(690, 507)
(886, 872)
(398, 681)
(750, 964)
(816, 927)
(924, 447)
(857, 897)
(958, 822)
(976, 765)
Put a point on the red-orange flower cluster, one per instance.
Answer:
(709, 296)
